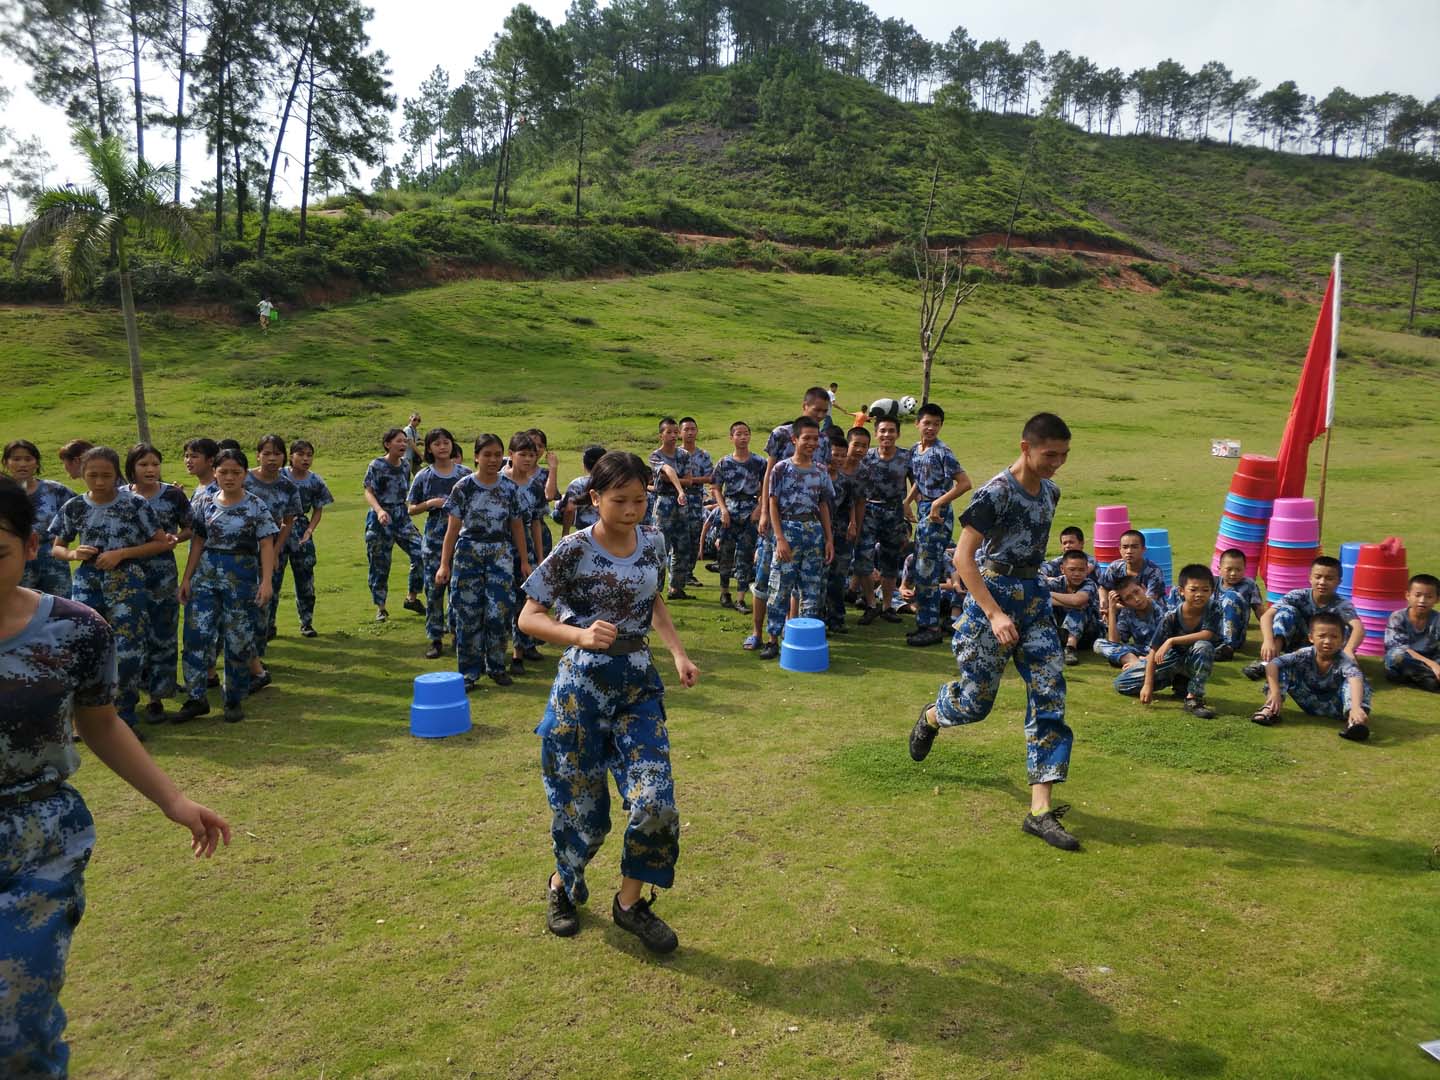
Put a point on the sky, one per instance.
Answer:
(1364, 45)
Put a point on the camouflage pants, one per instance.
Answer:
(301, 563)
(437, 619)
(673, 520)
(1291, 629)
(162, 625)
(1196, 662)
(1400, 666)
(804, 573)
(764, 559)
(1083, 625)
(838, 577)
(481, 596)
(1039, 661)
(931, 566)
(737, 544)
(119, 597)
(47, 573)
(518, 638)
(44, 847)
(695, 511)
(884, 526)
(607, 714)
(1336, 705)
(1115, 652)
(1234, 620)
(379, 540)
(222, 607)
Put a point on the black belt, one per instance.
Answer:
(1015, 570)
(800, 517)
(33, 795)
(885, 502)
(627, 644)
(498, 538)
(229, 551)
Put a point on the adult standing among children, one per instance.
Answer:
(414, 454)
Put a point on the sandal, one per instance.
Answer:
(751, 643)
(1266, 716)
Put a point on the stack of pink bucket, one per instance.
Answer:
(1110, 523)
(1291, 547)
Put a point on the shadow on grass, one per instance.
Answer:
(975, 1007)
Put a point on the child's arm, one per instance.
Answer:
(267, 571)
(536, 620)
(517, 536)
(665, 627)
(763, 522)
(829, 534)
(1357, 636)
(670, 474)
(447, 550)
(1273, 697)
(158, 544)
(197, 545)
(108, 737)
(381, 514)
(1000, 624)
(1268, 651)
(782, 546)
(315, 516)
(552, 476)
(1147, 691)
(1112, 612)
(286, 525)
(1357, 698)
(1070, 599)
(1433, 665)
(535, 536)
(958, 487)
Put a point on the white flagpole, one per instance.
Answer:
(1330, 393)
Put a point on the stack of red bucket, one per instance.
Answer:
(1111, 522)
(1248, 507)
(1293, 544)
(1377, 589)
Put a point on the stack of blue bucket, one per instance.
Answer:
(1348, 554)
(1157, 550)
(804, 647)
(439, 707)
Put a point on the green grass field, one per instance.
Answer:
(1250, 902)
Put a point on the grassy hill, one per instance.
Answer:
(1252, 902)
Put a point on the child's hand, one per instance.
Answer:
(1147, 692)
(551, 460)
(524, 568)
(183, 593)
(84, 552)
(686, 669)
(382, 516)
(1273, 701)
(782, 550)
(829, 552)
(934, 515)
(1130, 661)
(1434, 666)
(262, 594)
(1268, 651)
(1003, 627)
(680, 499)
(108, 560)
(1161, 651)
(171, 540)
(1357, 715)
(442, 575)
(725, 518)
(599, 636)
(207, 828)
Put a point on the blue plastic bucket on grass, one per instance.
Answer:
(804, 647)
(439, 707)
(1349, 553)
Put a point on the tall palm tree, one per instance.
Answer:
(129, 202)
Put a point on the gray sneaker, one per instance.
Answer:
(1048, 828)
(654, 933)
(561, 918)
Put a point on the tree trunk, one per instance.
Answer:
(180, 95)
(500, 164)
(309, 132)
(280, 137)
(132, 340)
(579, 167)
(219, 162)
(99, 84)
(1015, 207)
(927, 360)
(239, 188)
(1414, 292)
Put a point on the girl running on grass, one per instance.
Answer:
(227, 579)
(22, 461)
(484, 541)
(428, 492)
(387, 525)
(57, 661)
(162, 582)
(598, 594)
(117, 530)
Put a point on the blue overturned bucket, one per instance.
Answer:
(1157, 550)
(439, 707)
(804, 647)
(1349, 553)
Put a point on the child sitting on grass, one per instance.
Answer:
(1412, 637)
(1133, 563)
(1321, 679)
(1285, 626)
(1072, 538)
(1131, 619)
(1238, 597)
(1182, 650)
(1075, 601)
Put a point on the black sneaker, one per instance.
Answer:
(1048, 828)
(1223, 653)
(192, 708)
(925, 635)
(836, 628)
(1355, 732)
(769, 651)
(678, 594)
(499, 678)
(212, 681)
(1196, 706)
(1427, 682)
(155, 712)
(561, 918)
(871, 614)
(517, 666)
(532, 653)
(433, 652)
(271, 633)
(233, 714)
(693, 580)
(1071, 656)
(417, 606)
(381, 614)
(890, 615)
(1180, 685)
(713, 567)
(1254, 671)
(654, 933)
(306, 630)
(742, 607)
(922, 735)
(726, 601)
(260, 682)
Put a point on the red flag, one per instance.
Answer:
(1313, 410)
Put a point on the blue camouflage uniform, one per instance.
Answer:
(1236, 603)
(45, 572)
(739, 484)
(118, 594)
(283, 499)
(1016, 528)
(1135, 630)
(223, 589)
(934, 471)
(1083, 622)
(672, 519)
(162, 602)
(391, 483)
(1402, 635)
(64, 658)
(547, 542)
(847, 489)
(430, 484)
(533, 505)
(299, 553)
(781, 445)
(1050, 568)
(606, 713)
(1290, 624)
(577, 494)
(1320, 693)
(884, 528)
(1194, 660)
(801, 494)
(197, 502)
(1151, 578)
(482, 575)
(701, 464)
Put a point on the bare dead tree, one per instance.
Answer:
(942, 286)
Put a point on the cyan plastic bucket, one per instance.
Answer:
(804, 647)
(439, 707)
(1348, 554)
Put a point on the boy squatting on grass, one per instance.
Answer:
(1321, 679)
(599, 594)
(1075, 598)
(1007, 614)
(57, 661)
(1072, 538)
(1412, 637)
(1131, 619)
(1182, 650)
(1238, 596)
(1286, 625)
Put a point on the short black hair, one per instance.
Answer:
(1045, 427)
(22, 444)
(1073, 554)
(617, 467)
(1327, 561)
(138, 451)
(931, 409)
(1195, 572)
(886, 420)
(1123, 582)
(17, 512)
(439, 433)
(816, 393)
(835, 435)
(739, 423)
(488, 438)
(389, 435)
(1137, 533)
(666, 420)
(591, 455)
(229, 444)
(689, 420)
(1327, 618)
(1073, 530)
(861, 431)
(206, 448)
(302, 444)
(274, 441)
(101, 453)
(802, 423)
(1233, 553)
(1428, 580)
(75, 448)
(235, 454)
(540, 437)
(523, 440)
